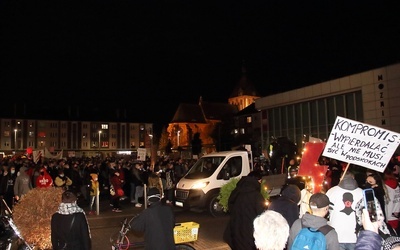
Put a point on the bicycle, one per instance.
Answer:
(184, 233)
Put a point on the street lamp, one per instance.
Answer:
(15, 139)
(99, 139)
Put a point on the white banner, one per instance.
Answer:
(361, 144)
(141, 154)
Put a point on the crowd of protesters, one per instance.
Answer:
(18, 175)
(338, 209)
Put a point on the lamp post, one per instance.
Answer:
(99, 140)
(179, 133)
(151, 150)
(15, 140)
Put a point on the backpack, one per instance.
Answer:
(311, 238)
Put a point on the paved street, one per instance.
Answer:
(107, 223)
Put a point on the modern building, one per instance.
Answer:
(370, 97)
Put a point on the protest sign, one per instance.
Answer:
(361, 144)
(141, 154)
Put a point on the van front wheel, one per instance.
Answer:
(214, 207)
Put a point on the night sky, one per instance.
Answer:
(137, 53)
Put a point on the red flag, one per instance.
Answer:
(309, 165)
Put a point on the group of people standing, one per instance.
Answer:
(256, 225)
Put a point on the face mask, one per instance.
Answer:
(117, 174)
(12, 171)
(61, 175)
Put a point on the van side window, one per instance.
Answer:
(232, 168)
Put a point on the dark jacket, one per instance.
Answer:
(157, 222)
(245, 204)
(368, 240)
(78, 235)
(287, 204)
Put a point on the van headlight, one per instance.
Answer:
(200, 185)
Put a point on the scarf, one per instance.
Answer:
(69, 208)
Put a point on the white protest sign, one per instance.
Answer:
(141, 154)
(361, 144)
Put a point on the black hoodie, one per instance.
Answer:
(287, 203)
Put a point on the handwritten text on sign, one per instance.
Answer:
(361, 144)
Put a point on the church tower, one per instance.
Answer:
(244, 93)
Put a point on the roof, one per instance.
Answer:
(200, 113)
(217, 111)
(249, 110)
(191, 113)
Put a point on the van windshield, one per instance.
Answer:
(204, 167)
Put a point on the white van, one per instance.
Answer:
(200, 187)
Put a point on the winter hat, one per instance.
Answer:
(319, 200)
(153, 195)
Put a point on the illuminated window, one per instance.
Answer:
(248, 119)
(242, 131)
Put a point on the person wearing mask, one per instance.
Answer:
(44, 179)
(69, 226)
(374, 181)
(62, 181)
(116, 183)
(23, 183)
(157, 222)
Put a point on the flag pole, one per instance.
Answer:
(344, 172)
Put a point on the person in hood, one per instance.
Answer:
(44, 180)
(319, 206)
(393, 205)
(157, 222)
(345, 197)
(287, 203)
(245, 204)
(22, 183)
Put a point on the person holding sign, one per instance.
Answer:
(345, 196)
